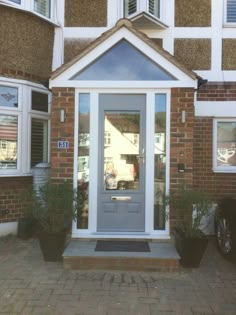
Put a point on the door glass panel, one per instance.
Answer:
(121, 150)
(160, 162)
(83, 160)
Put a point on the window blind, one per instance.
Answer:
(42, 7)
(130, 7)
(231, 11)
(39, 141)
(154, 7)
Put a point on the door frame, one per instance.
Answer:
(91, 232)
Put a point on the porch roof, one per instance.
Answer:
(125, 23)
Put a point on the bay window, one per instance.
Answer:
(24, 127)
(136, 6)
(42, 7)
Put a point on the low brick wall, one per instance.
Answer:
(11, 188)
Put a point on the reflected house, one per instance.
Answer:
(226, 145)
(8, 142)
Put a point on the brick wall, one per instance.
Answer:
(181, 145)
(217, 184)
(62, 160)
(217, 92)
(11, 189)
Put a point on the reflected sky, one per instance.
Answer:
(160, 103)
(123, 62)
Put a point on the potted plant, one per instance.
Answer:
(190, 240)
(54, 209)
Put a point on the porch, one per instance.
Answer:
(81, 254)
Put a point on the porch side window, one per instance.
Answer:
(160, 161)
(225, 145)
(83, 160)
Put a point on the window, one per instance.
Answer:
(225, 145)
(42, 7)
(230, 11)
(107, 138)
(160, 162)
(39, 127)
(24, 127)
(123, 62)
(136, 6)
(8, 142)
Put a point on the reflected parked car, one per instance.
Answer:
(225, 226)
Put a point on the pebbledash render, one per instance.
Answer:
(128, 100)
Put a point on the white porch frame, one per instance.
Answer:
(91, 232)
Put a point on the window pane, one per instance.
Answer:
(8, 96)
(83, 160)
(160, 162)
(40, 101)
(16, 1)
(226, 144)
(130, 7)
(39, 141)
(8, 142)
(123, 62)
(154, 7)
(42, 7)
(231, 11)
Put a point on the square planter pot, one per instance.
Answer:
(52, 245)
(191, 250)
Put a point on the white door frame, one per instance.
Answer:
(91, 232)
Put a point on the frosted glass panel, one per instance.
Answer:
(123, 62)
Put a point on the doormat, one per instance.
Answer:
(122, 246)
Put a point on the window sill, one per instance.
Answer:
(226, 171)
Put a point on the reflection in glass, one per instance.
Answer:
(8, 142)
(123, 62)
(160, 161)
(83, 160)
(8, 96)
(226, 144)
(121, 150)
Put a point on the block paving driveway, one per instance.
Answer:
(28, 285)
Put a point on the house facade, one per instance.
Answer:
(126, 99)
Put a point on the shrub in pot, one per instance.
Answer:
(190, 241)
(54, 211)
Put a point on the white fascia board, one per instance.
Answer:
(124, 84)
(107, 44)
(215, 109)
(218, 76)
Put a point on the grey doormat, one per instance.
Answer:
(122, 246)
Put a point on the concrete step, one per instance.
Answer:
(81, 254)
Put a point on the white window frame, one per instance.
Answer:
(216, 168)
(24, 114)
(28, 5)
(229, 24)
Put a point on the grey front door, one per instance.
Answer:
(121, 158)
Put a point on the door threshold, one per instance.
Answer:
(119, 235)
